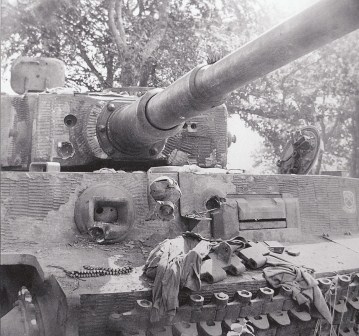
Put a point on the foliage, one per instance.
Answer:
(107, 43)
(264, 162)
(316, 90)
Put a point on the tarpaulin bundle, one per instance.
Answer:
(174, 264)
(304, 287)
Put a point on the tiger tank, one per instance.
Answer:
(92, 182)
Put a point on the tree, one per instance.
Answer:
(107, 43)
(354, 130)
(264, 162)
(315, 90)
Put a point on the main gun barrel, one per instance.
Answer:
(316, 26)
(207, 86)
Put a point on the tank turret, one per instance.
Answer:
(107, 129)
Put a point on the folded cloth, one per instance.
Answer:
(304, 286)
(175, 263)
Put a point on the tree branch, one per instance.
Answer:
(79, 82)
(322, 124)
(300, 66)
(140, 7)
(257, 112)
(117, 30)
(337, 120)
(109, 70)
(159, 32)
(119, 22)
(236, 9)
(89, 63)
(82, 52)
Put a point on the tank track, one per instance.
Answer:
(265, 313)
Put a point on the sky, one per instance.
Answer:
(240, 153)
(291, 7)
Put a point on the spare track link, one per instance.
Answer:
(267, 312)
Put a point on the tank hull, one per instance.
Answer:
(38, 212)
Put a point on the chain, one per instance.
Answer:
(93, 271)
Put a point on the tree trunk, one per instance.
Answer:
(127, 77)
(109, 72)
(354, 165)
(146, 72)
(318, 165)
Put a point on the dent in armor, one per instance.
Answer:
(207, 145)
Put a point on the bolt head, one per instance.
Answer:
(153, 151)
(243, 296)
(111, 107)
(196, 300)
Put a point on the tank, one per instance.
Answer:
(92, 182)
